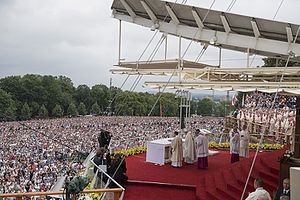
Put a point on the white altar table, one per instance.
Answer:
(159, 151)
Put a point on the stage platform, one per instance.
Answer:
(140, 170)
(164, 179)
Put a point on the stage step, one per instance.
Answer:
(227, 194)
(160, 184)
(229, 183)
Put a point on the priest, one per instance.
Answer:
(177, 151)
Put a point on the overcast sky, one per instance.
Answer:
(79, 38)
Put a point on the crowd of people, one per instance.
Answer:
(265, 100)
(258, 114)
(35, 153)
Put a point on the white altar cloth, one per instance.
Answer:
(159, 151)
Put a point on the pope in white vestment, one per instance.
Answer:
(177, 151)
(190, 148)
(244, 143)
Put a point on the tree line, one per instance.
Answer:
(36, 96)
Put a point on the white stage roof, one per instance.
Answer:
(229, 31)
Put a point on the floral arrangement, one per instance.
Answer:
(132, 151)
(286, 156)
(226, 145)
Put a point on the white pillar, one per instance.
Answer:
(295, 182)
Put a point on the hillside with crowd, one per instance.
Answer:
(35, 153)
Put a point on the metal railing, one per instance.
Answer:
(117, 193)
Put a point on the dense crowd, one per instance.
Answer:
(34, 155)
(258, 111)
(265, 100)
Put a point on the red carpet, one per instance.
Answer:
(217, 176)
(144, 192)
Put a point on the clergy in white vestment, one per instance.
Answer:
(244, 143)
(234, 145)
(177, 151)
(272, 126)
(190, 148)
(202, 150)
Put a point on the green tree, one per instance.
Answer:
(95, 109)
(67, 91)
(170, 105)
(34, 107)
(205, 106)
(82, 109)
(83, 94)
(12, 85)
(100, 94)
(57, 111)
(53, 93)
(271, 62)
(43, 112)
(25, 112)
(72, 111)
(7, 106)
(114, 93)
(220, 108)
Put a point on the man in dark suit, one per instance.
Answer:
(104, 139)
(284, 190)
(118, 170)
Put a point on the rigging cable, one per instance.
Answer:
(201, 53)
(230, 5)
(161, 93)
(154, 51)
(139, 77)
(198, 29)
(278, 9)
(180, 59)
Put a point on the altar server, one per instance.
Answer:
(234, 145)
(202, 149)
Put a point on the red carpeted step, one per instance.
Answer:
(160, 184)
(138, 192)
(269, 176)
(220, 180)
(250, 185)
(209, 181)
(227, 194)
(235, 188)
(274, 167)
(212, 194)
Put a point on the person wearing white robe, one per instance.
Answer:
(234, 145)
(272, 126)
(190, 148)
(177, 151)
(202, 150)
(244, 143)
